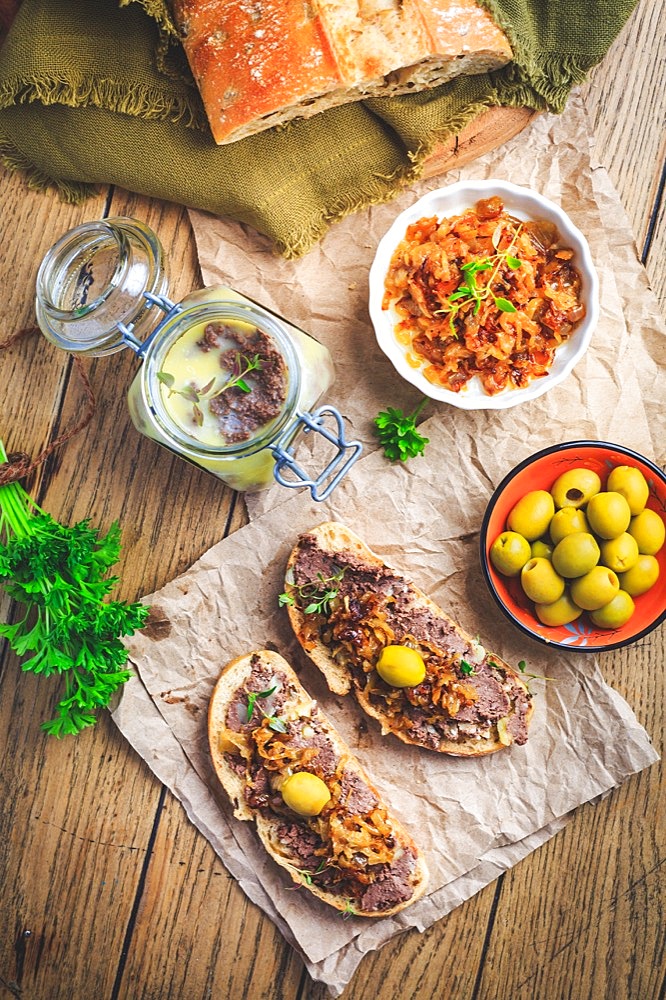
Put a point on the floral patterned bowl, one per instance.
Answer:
(540, 472)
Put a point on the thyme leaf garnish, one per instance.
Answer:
(242, 366)
(468, 291)
(315, 596)
(252, 698)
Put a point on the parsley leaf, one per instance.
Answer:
(398, 434)
(466, 668)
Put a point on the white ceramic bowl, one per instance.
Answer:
(524, 204)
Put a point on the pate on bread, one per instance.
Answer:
(348, 609)
(265, 730)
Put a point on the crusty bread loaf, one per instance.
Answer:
(354, 855)
(263, 63)
(470, 703)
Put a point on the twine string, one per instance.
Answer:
(19, 464)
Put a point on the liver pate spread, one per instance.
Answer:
(240, 413)
(306, 842)
(465, 692)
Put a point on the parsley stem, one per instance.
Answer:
(417, 412)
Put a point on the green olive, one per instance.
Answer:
(576, 554)
(648, 530)
(540, 582)
(401, 666)
(566, 521)
(616, 613)
(531, 515)
(595, 589)
(575, 487)
(509, 553)
(560, 612)
(541, 549)
(630, 482)
(608, 514)
(620, 553)
(305, 793)
(642, 575)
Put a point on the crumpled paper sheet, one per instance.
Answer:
(473, 818)
(609, 393)
(463, 812)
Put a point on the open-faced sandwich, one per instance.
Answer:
(371, 631)
(284, 766)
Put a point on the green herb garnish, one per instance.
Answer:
(316, 596)
(252, 697)
(469, 292)
(466, 668)
(277, 725)
(398, 434)
(307, 873)
(522, 666)
(349, 910)
(242, 366)
(59, 574)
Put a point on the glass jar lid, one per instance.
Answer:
(92, 282)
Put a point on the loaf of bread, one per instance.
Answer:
(286, 768)
(372, 632)
(260, 63)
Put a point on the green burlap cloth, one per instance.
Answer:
(90, 93)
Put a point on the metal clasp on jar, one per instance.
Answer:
(322, 486)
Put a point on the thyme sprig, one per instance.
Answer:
(274, 723)
(398, 434)
(316, 596)
(468, 291)
(242, 366)
(307, 874)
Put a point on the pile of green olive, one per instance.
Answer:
(579, 548)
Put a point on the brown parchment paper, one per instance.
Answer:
(464, 813)
(472, 818)
(326, 293)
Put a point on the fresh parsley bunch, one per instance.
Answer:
(398, 434)
(59, 575)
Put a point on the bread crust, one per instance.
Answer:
(458, 651)
(341, 771)
(262, 64)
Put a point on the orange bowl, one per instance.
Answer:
(539, 473)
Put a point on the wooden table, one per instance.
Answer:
(107, 890)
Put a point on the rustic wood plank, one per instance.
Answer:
(441, 962)
(584, 916)
(73, 875)
(197, 934)
(626, 99)
(72, 847)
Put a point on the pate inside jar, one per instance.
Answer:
(225, 383)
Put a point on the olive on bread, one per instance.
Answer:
(370, 630)
(286, 768)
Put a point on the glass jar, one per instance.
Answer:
(225, 383)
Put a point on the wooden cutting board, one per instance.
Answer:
(492, 128)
